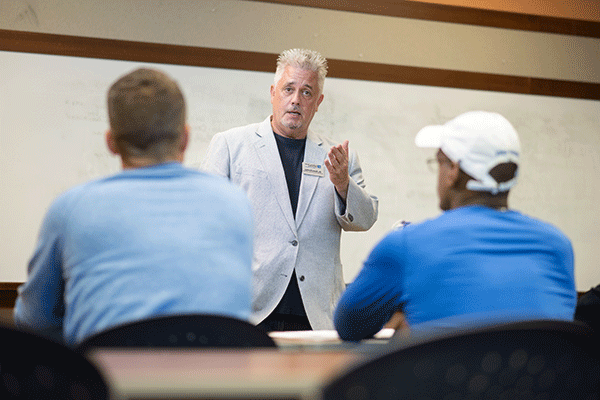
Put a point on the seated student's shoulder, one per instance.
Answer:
(67, 201)
(433, 226)
(208, 181)
(553, 234)
(394, 241)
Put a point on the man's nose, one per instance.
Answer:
(296, 98)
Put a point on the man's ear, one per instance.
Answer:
(454, 177)
(272, 92)
(185, 138)
(110, 142)
(319, 101)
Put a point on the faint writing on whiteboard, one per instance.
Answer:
(80, 110)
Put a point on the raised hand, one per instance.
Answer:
(337, 165)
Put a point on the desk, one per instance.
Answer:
(327, 340)
(302, 362)
(218, 374)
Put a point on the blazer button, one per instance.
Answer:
(301, 278)
(350, 217)
(294, 243)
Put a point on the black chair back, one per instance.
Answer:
(36, 368)
(193, 330)
(588, 308)
(523, 360)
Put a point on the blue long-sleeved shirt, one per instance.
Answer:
(150, 241)
(471, 265)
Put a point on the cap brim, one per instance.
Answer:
(430, 136)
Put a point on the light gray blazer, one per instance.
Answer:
(249, 157)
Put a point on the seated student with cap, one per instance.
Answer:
(155, 239)
(479, 262)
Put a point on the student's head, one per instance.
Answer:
(146, 111)
(478, 158)
(297, 91)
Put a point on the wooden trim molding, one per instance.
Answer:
(456, 14)
(42, 43)
(8, 294)
(78, 46)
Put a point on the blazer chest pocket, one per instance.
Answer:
(251, 179)
(249, 172)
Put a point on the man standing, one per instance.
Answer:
(155, 239)
(304, 190)
(479, 262)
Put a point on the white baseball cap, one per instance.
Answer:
(478, 141)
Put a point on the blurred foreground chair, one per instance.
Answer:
(588, 309)
(533, 360)
(36, 368)
(190, 330)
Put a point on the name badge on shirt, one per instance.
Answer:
(312, 169)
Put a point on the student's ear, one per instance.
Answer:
(110, 142)
(185, 138)
(454, 177)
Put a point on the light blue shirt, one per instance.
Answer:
(471, 266)
(145, 242)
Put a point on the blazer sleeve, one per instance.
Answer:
(361, 209)
(218, 156)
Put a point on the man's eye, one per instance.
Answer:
(307, 93)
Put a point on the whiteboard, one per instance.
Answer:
(53, 118)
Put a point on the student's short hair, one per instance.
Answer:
(146, 111)
(304, 59)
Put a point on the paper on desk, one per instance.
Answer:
(321, 335)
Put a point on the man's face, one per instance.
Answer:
(295, 101)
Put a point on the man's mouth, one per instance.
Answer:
(294, 113)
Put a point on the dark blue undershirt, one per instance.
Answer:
(291, 152)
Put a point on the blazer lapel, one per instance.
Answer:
(266, 148)
(314, 153)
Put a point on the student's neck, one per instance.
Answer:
(470, 198)
(141, 162)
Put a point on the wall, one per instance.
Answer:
(271, 28)
(351, 36)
